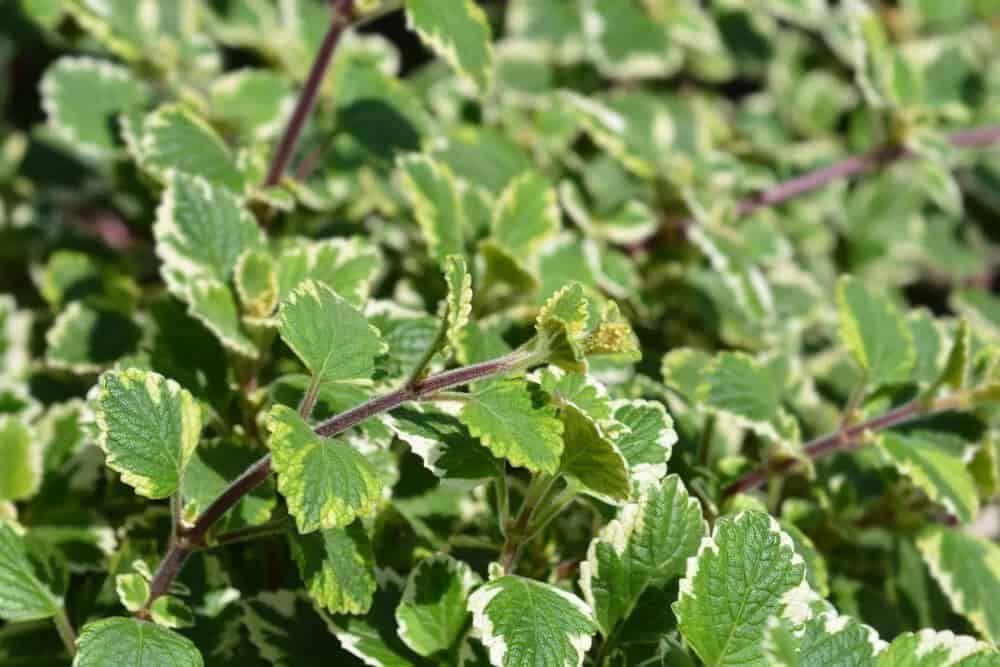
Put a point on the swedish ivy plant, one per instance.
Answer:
(536, 333)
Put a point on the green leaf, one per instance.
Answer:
(577, 389)
(937, 468)
(20, 451)
(433, 192)
(459, 33)
(591, 459)
(459, 301)
(560, 325)
(15, 328)
(128, 641)
(955, 373)
(646, 546)
(738, 385)
(374, 638)
(175, 139)
(133, 591)
(286, 631)
(816, 570)
(148, 426)
(85, 340)
(433, 612)
(625, 41)
(214, 465)
(968, 570)
(213, 304)
(515, 422)
(337, 567)
(931, 648)
(333, 339)
(170, 612)
(201, 230)
(443, 443)
(25, 586)
(326, 483)
(682, 371)
(523, 622)
(825, 639)
(745, 573)
(874, 333)
(645, 436)
(347, 266)
(526, 215)
(82, 98)
(256, 282)
(257, 102)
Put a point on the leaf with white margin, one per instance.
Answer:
(15, 329)
(525, 623)
(625, 42)
(458, 32)
(527, 214)
(133, 590)
(458, 305)
(113, 641)
(937, 468)
(514, 421)
(174, 138)
(825, 639)
(931, 648)
(26, 581)
(286, 630)
(328, 334)
(560, 325)
(736, 384)
(591, 459)
(257, 101)
(21, 453)
(746, 572)
(433, 192)
(968, 570)
(348, 266)
(326, 482)
(337, 567)
(84, 339)
(955, 373)
(374, 637)
(874, 332)
(82, 98)
(648, 437)
(433, 612)
(443, 443)
(647, 545)
(148, 426)
(256, 281)
(213, 304)
(577, 389)
(201, 229)
(682, 370)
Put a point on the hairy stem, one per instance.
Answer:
(341, 16)
(65, 629)
(193, 537)
(851, 166)
(843, 438)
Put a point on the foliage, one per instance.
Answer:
(525, 333)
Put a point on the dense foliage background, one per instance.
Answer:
(724, 415)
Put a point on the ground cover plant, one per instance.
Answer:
(604, 332)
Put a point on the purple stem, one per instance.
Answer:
(341, 15)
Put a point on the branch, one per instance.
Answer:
(843, 438)
(192, 537)
(340, 19)
(846, 168)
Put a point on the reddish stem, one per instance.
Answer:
(341, 15)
